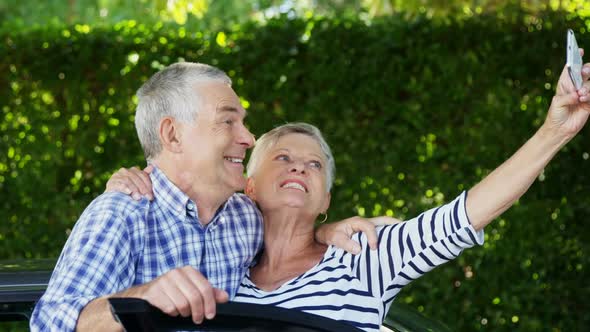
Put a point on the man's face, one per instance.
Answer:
(215, 144)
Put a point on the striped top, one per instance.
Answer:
(359, 289)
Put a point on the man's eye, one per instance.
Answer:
(283, 157)
(229, 121)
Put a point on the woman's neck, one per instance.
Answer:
(290, 249)
(286, 235)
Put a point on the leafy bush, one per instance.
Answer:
(415, 111)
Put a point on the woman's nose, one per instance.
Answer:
(297, 167)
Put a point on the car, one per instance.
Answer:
(23, 282)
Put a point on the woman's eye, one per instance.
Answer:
(282, 157)
(315, 164)
(228, 121)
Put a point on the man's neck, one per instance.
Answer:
(207, 198)
(208, 202)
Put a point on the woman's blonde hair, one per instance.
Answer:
(266, 141)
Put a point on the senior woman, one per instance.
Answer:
(290, 176)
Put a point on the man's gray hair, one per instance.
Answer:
(266, 141)
(170, 92)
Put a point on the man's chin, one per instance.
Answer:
(238, 184)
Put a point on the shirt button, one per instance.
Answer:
(190, 206)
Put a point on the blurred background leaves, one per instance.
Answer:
(418, 99)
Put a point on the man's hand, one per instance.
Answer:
(339, 234)
(183, 291)
(132, 181)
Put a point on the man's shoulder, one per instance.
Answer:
(242, 207)
(119, 203)
(115, 207)
(241, 199)
(111, 220)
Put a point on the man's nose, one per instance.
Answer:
(246, 138)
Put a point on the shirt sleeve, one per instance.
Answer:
(408, 250)
(97, 260)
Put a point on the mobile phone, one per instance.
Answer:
(574, 60)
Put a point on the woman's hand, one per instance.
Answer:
(569, 108)
(132, 181)
(567, 115)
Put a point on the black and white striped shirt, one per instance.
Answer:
(359, 289)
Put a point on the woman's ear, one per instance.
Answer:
(170, 135)
(326, 204)
(250, 192)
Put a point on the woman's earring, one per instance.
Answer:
(325, 217)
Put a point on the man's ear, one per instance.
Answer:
(170, 135)
(249, 191)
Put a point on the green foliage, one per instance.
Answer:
(415, 111)
(218, 14)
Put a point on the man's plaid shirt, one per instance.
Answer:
(118, 243)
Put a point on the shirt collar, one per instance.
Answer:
(169, 195)
(173, 199)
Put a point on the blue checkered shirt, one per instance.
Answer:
(118, 243)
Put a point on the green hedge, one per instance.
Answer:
(415, 111)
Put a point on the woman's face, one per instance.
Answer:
(292, 174)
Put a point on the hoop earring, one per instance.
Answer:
(325, 217)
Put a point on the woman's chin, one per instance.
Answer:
(290, 204)
(286, 205)
(295, 204)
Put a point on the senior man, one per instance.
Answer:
(189, 247)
